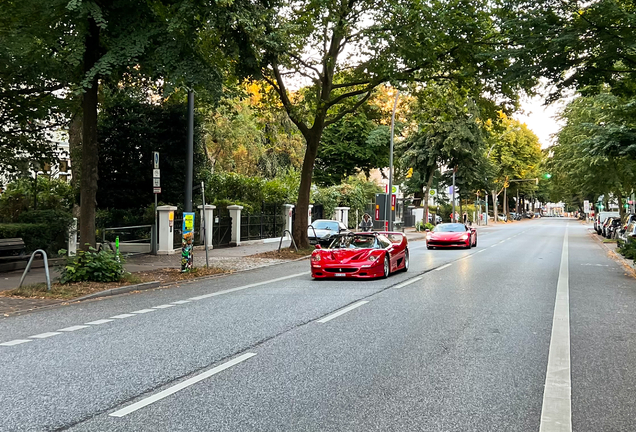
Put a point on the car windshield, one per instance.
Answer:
(451, 227)
(354, 242)
(326, 225)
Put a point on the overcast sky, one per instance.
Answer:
(541, 119)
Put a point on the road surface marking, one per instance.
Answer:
(15, 342)
(45, 335)
(409, 282)
(342, 311)
(178, 302)
(501, 241)
(172, 390)
(201, 297)
(508, 238)
(443, 267)
(163, 306)
(122, 316)
(479, 251)
(143, 311)
(101, 321)
(73, 328)
(556, 412)
(493, 245)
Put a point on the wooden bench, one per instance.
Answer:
(11, 247)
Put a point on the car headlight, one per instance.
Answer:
(428, 236)
(465, 236)
(373, 258)
(315, 258)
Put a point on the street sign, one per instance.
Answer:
(586, 206)
(432, 193)
(395, 189)
(156, 182)
(156, 173)
(156, 190)
(155, 160)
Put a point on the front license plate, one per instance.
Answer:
(341, 274)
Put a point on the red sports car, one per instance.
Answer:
(361, 255)
(451, 235)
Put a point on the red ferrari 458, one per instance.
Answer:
(361, 255)
(451, 235)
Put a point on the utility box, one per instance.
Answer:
(381, 213)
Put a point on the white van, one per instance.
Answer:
(600, 218)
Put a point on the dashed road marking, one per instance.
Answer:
(101, 321)
(45, 335)
(180, 302)
(409, 282)
(175, 388)
(73, 328)
(15, 342)
(165, 306)
(122, 316)
(143, 311)
(218, 293)
(443, 267)
(342, 311)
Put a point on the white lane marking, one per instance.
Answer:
(163, 306)
(443, 267)
(45, 335)
(501, 241)
(122, 316)
(493, 245)
(73, 328)
(178, 302)
(172, 390)
(508, 238)
(342, 311)
(15, 342)
(143, 311)
(409, 282)
(101, 321)
(556, 412)
(480, 251)
(201, 297)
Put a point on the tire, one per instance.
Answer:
(406, 261)
(469, 245)
(387, 267)
(475, 245)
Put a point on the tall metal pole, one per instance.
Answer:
(453, 218)
(190, 154)
(390, 203)
(205, 233)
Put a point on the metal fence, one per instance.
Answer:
(269, 223)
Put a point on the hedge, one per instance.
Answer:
(43, 229)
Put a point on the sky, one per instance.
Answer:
(541, 119)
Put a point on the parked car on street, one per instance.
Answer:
(438, 218)
(502, 217)
(451, 235)
(322, 231)
(361, 255)
(610, 227)
(600, 218)
(628, 235)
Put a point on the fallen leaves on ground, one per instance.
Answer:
(286, 254)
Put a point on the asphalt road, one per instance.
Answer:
(466, 340)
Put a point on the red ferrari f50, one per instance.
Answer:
(361, 255)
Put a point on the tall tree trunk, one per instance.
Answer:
(75, 153)
(90, 158)
(304, 192)
(621, 210)
(429, 183)
(494, 206)
(505, 203)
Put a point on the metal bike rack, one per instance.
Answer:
(283, 236)
(46, 269)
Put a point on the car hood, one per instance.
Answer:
(447, 235)
(320, 233)
(345, 256)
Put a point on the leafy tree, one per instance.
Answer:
(345, 49)
(129, 130)
(448, 135)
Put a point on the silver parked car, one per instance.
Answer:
(322, 231)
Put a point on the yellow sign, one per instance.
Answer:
(189, 222)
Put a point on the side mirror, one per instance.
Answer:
(473, 230)
(427, 230)
(318, 246)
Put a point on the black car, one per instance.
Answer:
(322, 231)
(612, 227)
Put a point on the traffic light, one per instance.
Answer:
(409, 173)
(547, 176)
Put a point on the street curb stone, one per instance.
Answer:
(120, 290)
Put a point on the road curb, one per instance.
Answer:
(630, 264)
(120, 290)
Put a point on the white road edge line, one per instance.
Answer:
(556, 412)
(214, 294)
(15, 342)
(180, 302)
(143, 311)
(342, 311)
(409, 282)
(122, 316)
(175, 388)
(443, 267)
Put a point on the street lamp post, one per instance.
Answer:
(389, 203)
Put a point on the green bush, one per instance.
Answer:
(41, 229)
(52, 194)
(93, 266)
(628, 250)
